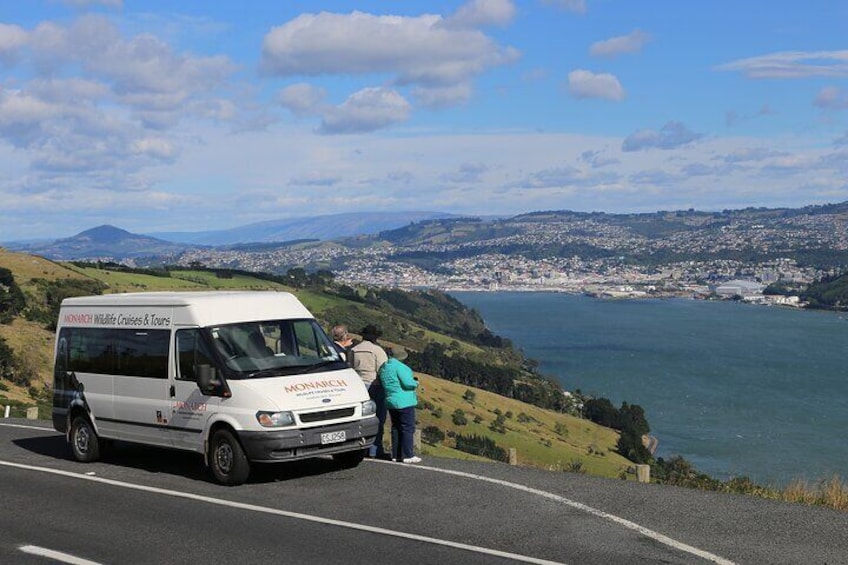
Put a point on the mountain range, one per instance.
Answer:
(115, 243)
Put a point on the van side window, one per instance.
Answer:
(191, 352)
(111, 351)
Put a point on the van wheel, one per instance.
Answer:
(85, 444)
(349, 459)
(227, 461)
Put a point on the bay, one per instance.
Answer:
(736, 389)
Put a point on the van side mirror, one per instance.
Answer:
(208, 380)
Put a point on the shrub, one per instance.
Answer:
(458, 417)
(469, 396)
(482, 446)
(498, 424)
(432, 435)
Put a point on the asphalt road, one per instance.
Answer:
(143, 505)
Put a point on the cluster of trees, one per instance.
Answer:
(43, 307)
(830, 293)
(481, 446)
(12, 301)
(629, 420)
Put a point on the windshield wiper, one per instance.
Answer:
(314, 368)
(279, 371)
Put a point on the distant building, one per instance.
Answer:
(738, 288)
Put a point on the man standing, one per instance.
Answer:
(368, 357)
(342, 340)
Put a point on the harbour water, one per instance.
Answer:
(734, 388)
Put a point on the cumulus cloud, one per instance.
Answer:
(792, 64)
(302, 99)
(479, 13)
(368, 110)
(586, 84)
(95, 107)
(841, 140)
(577, 6)
(832, 98)
(630, 43)
(672, 135)
(414, 50)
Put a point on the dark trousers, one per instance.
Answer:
(375, 391)
(403, 432)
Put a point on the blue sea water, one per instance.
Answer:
(736, 389)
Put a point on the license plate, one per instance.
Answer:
(332, 437)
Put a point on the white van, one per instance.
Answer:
(240, 377)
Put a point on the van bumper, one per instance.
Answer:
(289, 445)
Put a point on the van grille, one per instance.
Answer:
(326, 415)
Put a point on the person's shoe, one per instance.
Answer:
(383, 457)
(413, 459)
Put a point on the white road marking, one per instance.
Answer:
(585, 508)
(56, 555)
(663, 539)
(287, 514)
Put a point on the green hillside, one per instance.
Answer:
(433, 326)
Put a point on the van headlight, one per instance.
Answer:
(369, 407)
(275, 419)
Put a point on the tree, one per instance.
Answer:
(12, 300)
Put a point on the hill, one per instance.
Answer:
(104, 242)
(449, 411)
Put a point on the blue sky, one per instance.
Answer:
(196, 115)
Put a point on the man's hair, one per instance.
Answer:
(339, 332)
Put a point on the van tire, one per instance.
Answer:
(227, 461)
(85, 445)
(349, 459)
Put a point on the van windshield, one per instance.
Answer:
(275, 347)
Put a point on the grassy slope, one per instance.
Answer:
(584, 444)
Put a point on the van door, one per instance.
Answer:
(189, 408)
(141, 386)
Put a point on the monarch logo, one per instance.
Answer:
(316, 385)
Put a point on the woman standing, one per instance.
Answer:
(399, 385)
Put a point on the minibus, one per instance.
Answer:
(239, 377)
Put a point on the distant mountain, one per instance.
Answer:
(315, 227)
(104, 242)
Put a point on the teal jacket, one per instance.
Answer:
(398, 384)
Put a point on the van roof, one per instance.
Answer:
(208, 307)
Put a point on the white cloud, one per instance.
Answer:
(303, 99)
(315, 179)
(479, 13)
(442, 96)
(413, 50)
(832, 98)
(672, 135)
(630, 43)
(792, 64)
(368, 110)
(12, 39)
(586, 84)
(467, 173)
